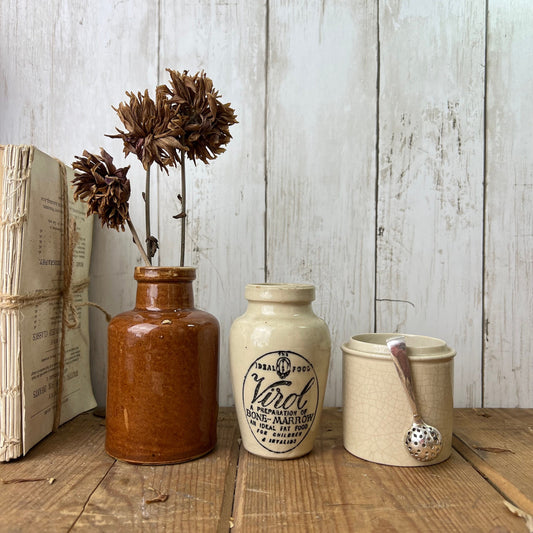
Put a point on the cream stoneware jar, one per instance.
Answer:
(279, 355)
(377, 414)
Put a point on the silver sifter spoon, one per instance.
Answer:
(424, 442)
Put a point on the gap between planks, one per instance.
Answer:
(225, 522)
(111, 466)
(492, 476)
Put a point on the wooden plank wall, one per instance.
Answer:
(383, 153)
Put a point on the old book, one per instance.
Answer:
(44, 267)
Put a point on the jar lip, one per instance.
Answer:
(159, 273)
(420, 347)
(280, 292)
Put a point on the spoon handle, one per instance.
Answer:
(398, 351)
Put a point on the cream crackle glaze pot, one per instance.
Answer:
(377, 413)
(279, 355)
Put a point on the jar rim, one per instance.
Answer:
(420, 347)
(280, 292)
(162, 273)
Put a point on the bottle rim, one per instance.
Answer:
(158, 273)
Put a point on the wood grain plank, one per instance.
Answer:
(331, 490)
(225, 238)
(483, 436)
(75, 457)
(197, 500)
(327, 489)
(508, 365)
(430, 191)
(322, 65)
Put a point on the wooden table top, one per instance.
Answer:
(232, 490)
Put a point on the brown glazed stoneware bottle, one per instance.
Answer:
(162, 387)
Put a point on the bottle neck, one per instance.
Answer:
(161, 288)
(154, 296)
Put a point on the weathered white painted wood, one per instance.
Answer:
(64, 64)
(509, 206)
(225, 239)
(322, 62)
(430, 191)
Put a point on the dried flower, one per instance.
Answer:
(198, 112)
(105, 188)
(151, 133)
(185, 118)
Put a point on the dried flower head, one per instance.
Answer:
(186, 117)
(197, 110)
(105, 188)
(151, 133)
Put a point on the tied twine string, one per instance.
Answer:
(69, 312)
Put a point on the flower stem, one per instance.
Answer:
(183, 208)
(138, 242)
(147, 213)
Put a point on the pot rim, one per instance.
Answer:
(419, 347)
